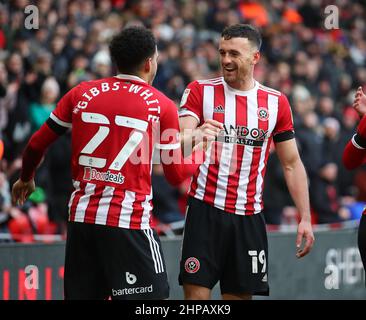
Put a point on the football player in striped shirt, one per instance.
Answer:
(225, 236)
(354, 155)
(117, 122)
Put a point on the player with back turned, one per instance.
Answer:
(111, 249)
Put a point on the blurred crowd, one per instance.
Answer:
(318, 69)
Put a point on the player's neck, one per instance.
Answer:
(144, 76)
(140, 75)
(243, 85)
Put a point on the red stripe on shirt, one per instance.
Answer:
(212, 174)
(115, 208)
(135, 222)
(91, 209)
(151, 221)
(262, 98)
(213, 169)
(237, 156)
(194, 183)
(75, 201)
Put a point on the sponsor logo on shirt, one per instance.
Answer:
(219, 109)
(93, 174)
(243, 135)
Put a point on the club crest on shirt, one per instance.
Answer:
(262, 114)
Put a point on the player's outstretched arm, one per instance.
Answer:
(184, 162)
(32, 156)
(192, 134)
(177, 169)
(296, 180)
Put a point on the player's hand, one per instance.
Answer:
(208, 131)
(304, 231)
(359, 103)
(21, 191)
(201, 146)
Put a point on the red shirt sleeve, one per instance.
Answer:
(176, 169)
(284, 117)
(177, 172)
(353, 155)
(191, 102)
(35, 150)
(47, 134)
(62, 115)
(168, 127)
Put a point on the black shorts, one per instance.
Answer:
(225, 247)
(103, 262)
(362, 240)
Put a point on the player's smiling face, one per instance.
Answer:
(238, 57)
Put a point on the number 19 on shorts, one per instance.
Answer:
(258, 260)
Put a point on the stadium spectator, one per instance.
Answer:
(324, 195)
(346, 178)
(5, 202)
(310, 143)
(39, 111)
(275, 195)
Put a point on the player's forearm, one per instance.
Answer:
(296, 180)
(30, 161)
(191, 135)
(178, 171)
(35, 150)
(188, 141)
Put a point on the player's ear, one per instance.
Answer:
(256, 57)
(148, 65)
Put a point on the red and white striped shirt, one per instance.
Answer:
(116, 123)
(232, 176)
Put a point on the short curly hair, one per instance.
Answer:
(131, 47)
(243, 31)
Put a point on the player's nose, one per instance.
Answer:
(225, 60)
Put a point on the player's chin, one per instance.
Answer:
(229, 78)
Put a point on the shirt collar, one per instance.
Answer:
(242, 92)
(128, 77)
